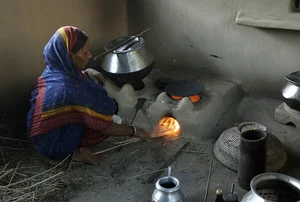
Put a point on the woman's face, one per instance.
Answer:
(81, 57)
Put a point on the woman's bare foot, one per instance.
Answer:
(84, 155)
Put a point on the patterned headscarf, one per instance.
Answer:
(62, 96)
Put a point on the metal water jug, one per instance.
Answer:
(168, 190)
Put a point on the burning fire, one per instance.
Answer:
(193, 98)
(168, 126)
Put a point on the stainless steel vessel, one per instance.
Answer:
(270, 187)
(291, 91)
(130, 63)
(167, 190)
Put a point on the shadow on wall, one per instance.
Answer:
(17, 82)
(14, 114)
(178, 53)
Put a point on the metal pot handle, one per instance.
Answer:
(130, 45)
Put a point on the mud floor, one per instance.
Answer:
(115, 179)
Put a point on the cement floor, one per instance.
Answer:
(190, 168)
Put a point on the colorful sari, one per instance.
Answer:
(67, 110)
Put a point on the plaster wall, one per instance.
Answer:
(194, 34)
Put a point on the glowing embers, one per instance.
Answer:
(168, 126)
(193, 98)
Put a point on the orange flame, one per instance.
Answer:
(193, 98)
(168, 126)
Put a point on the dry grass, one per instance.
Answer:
(26, 176)
(18, 183)
(31, 179)
(23, 176)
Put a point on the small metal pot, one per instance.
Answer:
(167, 190)
(130, 63)
(291, 91)
(271, 187)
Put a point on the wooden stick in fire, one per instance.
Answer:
(208, 181)
(115, 147)
(155, 134)
(130, 141)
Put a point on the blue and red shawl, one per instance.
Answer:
(63, 96)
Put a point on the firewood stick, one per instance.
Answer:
(129, 140)
(153, 135)
(100, 152)
(168, 163)
(208, 181)
(161, 132)
(125, 142)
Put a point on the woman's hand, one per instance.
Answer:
(95, 76)
(143, 134)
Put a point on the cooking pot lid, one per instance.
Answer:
(132, 45)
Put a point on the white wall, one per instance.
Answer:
(190, 31)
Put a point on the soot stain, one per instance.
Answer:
(215, 56)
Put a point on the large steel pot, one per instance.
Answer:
(271, 187)
(291, 91)
(130, 63)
